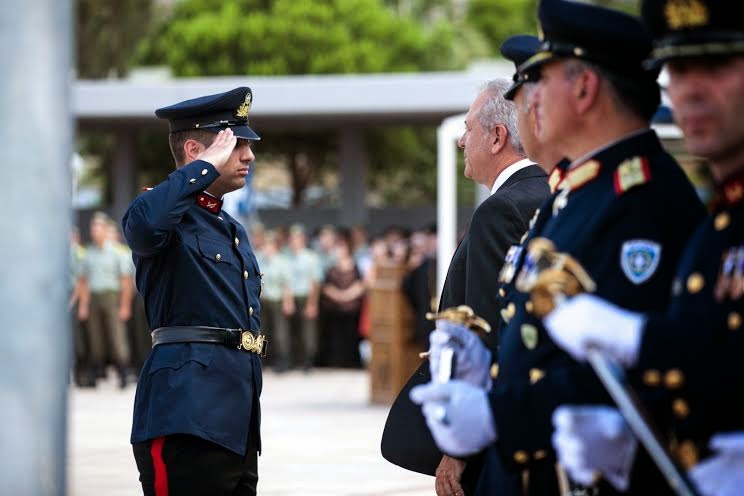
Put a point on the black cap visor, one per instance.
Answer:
(671, 49)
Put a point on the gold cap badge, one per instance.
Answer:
(242, 110)
(684, 14)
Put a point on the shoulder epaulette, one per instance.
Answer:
(580, 175)
(631, 173)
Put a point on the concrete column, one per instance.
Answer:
(36, 132)
(352, 152)
(447, 134)
(123, 172)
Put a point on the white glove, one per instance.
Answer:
(458, 415)
(591, 439)
(586, 320)
(473, 359)
(723, 473)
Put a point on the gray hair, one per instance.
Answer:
(498, 110)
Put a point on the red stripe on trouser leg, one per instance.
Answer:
(161, 474)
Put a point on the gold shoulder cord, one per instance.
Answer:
(552, 276)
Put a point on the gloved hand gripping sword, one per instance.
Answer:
(550, 277)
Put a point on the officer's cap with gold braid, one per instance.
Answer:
(518, 49)
(611, 39)
(212, 113)
(694, 28)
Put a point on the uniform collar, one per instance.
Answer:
(600, 151)
(209, 202)
(731, 191)
(624, 157)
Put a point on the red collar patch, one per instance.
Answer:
(731, 191)
(209, 203)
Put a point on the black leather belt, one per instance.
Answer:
(239, 338)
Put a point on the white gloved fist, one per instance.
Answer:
(723, 473)
(458, 415)
(473, 359)
(591, 439)
(586, 320)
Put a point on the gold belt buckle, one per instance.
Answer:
(255, 344)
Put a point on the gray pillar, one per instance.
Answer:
(122, 172)
(354, 163)
(36, 133)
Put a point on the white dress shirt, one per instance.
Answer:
(508, 172)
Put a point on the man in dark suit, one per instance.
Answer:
(495, 158)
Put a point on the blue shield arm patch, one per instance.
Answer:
(639, 259)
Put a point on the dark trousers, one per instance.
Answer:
(276, 327)
(184, 465)
(304, 333)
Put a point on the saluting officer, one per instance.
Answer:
(690, 354)
(196, 412)
(623, 209)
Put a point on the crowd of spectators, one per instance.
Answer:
(314, 299)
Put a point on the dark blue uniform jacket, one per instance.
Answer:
(692, 355)
(195, 268)
(628, 212)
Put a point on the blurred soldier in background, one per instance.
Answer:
(106, 300)
(307, 274)
(80, 367)
(276, 299)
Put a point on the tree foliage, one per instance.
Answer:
(210, 37)
(281, 37)
(496, 20)
(107, 35)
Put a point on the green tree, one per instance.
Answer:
(321, 37)
(496, 20)
(107, 35)
(297, 37)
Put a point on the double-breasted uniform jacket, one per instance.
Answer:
(195, 267)
(472, 279)
(624, 214)
(691, 356)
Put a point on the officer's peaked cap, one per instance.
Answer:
(518, 49)
(212, 113)
(608, 38)
(694, 28)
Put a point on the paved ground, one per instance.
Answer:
(321, 437)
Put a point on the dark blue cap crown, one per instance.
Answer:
(611, 39)
(519, 49)
(212, 113)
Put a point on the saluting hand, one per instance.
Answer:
(219, 151)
